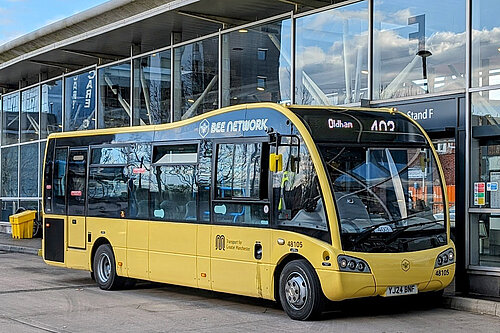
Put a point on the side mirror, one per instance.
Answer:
(275, 162)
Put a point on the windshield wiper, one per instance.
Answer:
(365, 233)
(400, 230)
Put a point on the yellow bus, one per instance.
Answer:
(296, 204)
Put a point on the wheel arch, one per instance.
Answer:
(279, 267)
(98, 242)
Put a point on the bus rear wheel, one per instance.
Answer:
(300, 291)
(105, 269)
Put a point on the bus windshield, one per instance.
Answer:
(387, 199)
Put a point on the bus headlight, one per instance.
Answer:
(351, 264)
(445, 258)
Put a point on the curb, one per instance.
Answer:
(19, 249)
(474, 305)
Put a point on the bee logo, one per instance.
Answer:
(405, 265)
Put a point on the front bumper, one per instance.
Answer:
(339, 286)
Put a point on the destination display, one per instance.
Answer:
(353, 126)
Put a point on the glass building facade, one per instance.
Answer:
(441, 69)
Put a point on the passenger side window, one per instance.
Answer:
(107, 192)
(203, 180)
(107, 184)
(139, 173)
(238, 170)
(59, 181)
(241, 184)
(173, 186)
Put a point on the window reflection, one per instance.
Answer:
(80, 101)
(152, 89)
(8, 208)
(51, 111)
(29, 172)
(139, 173)
(417, 49)
(256, 63)
(10, 119)
(196, 75)
(9, 172)
(107, 192)
(332, 53)
(485, 43)
(173, 193)
(238, 170)
(30, 128)
(114, 96)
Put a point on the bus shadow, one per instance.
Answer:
(380, 306)
(363, 307)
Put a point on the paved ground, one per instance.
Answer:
(35, 297)
(29, 246)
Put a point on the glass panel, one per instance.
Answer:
(42, 156)
(398, 189)
(109, 155)
(446, 153)
(298, 204)
(8, 208)
(485, 42)
(173, 193)
(30, 105)
(10, 119)
(485, 240)
(175, 154)
(77, 170)
(79, 105)
(139, 173)
(204, 179)
(256, 63)
(29, 170)
(48, 172)
(238, 170)
(236, 213)
(51, 115)
(152, 89)
(196, 75)
(28, 204)
(417, 49)
(107, 194)
(59, 182)
(332, 56)
(9, 172)
(114, 96)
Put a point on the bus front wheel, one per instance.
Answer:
(300, 291)
(105, 269)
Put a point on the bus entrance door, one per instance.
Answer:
(76, 194)
(241, 237)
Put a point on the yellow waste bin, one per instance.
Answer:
(22, 224)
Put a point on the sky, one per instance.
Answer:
(19, 17)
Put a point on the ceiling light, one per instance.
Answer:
(364, 71)
(260, 88)
(243, 31)
(191, 100)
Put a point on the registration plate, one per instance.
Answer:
(401, 290)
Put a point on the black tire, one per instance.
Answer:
(105, 269)
(300, 291)
(92, 276)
